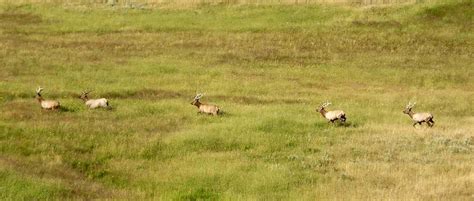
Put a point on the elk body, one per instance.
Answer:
(205, 108)
(94, 103)
(46, 104)
(419, 117)
(333, 115)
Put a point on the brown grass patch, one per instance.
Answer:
(255, 101)
(379, 24)
(145, 94)
(19, 18)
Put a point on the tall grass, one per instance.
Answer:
(268, 67)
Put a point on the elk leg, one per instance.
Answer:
(414, 125)
(343, 120)
(431, 123)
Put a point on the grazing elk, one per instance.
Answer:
(333, 115)
(419, 117)
(46, 104)
(94, 103)
(205, 108)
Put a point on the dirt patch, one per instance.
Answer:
(375, 23)
(145, 94)
(255, 100)
(7, 96)
(18, 111)
(19, 18)
(92, 44)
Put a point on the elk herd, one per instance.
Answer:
(331, 115)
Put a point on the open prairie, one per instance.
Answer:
(268, 68)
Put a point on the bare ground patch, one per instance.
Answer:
(256, 100)
(19, 18)
(145, 94)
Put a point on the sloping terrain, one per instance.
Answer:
(268, 68)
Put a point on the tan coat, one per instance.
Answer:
(96, 103)
(334, 114)
(422, 116)
(46, 104)
(206, 108)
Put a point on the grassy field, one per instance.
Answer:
(192, 3)
(268, 67)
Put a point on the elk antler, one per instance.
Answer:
(198, 96)
(325, 104)
(411, 105)
(39, 90)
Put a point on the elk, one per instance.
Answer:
(333, 115)
(418, 117)
(46, 104)
(205, 108)
(94, 103)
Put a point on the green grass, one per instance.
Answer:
(268, 68)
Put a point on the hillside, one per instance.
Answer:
(268, 68)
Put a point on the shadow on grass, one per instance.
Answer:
(221, 114)
(349, 124)
(77, 109)
(110, 108)
(144, 94)
(337, 124)
(224, 114)
(101, 109)
(67, 109)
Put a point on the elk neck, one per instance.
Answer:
(323, 112)
(85, 99)
(39, 98)
(197, 103)
(410, 113)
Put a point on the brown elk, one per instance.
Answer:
(418, 117)
(46, 104)
(94, 103)
(205, 108)
(332, 115)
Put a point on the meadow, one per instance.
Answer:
(192, 3)
(268, 67)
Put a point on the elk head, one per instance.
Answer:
(409, 107)
(84, 95)
(38, 94)
(196, 100)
